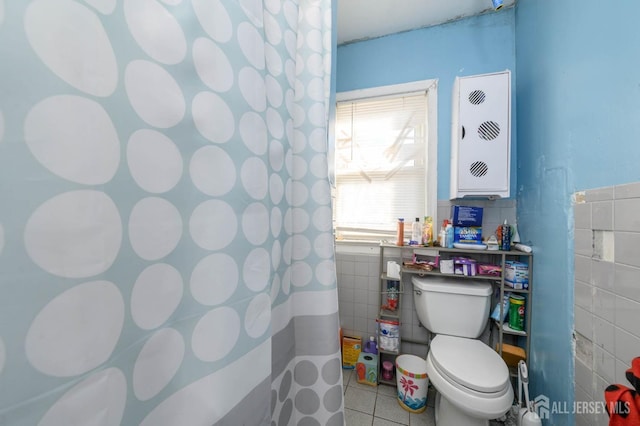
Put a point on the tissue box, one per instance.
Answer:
(367, 369)
(516, 274)
(466, 216)
(467, 234)
(351, 348)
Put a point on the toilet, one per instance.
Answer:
(472, 379)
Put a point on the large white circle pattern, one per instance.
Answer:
(276, 222)
(255, 223)
(276, 254)
(157, 363)
(251, 44)
(272, 29)
(155, 296)
(252, 88)
(216, 334)
(275, 288)
(70, 40)
(77, 330)
(154, 161)
(154, 94)
(253, 10)
(214, 279)
(75, 234)
(155, 228)
(212, 65)
(275, 96)
(298, 167)
(318, 166)
(323, 245)
(273, 6)
(253, 132)
(275, 124)
(104, 392)
(276, 188)
(321, 192)
(302, 245)
(276, 155)
(257, 318)
(318, 140)
(255, 178)
(300, 219)
(155, 30)
(256, 269)
(74, 138)
(214, 19)
(213, 225)
(103, 6)
(272, 60)
(301, 274)
(326, 273)
(322, 218)
(212, 171)
(213, 117)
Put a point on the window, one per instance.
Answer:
(384, 160)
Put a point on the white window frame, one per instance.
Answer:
(431, 153)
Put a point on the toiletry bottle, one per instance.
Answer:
(449, 235)
(416, 233)
(442, 235)
(427, 231)
(506, 237)
(400, 236)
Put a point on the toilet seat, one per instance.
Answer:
(455, 370)
(469, 363)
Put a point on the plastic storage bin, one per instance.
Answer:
(412, 381)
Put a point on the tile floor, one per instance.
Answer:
(377, 405)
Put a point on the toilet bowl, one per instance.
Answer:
(472, 380)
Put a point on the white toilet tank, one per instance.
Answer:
(456, 307)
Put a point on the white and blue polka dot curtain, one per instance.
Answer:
(166, 254)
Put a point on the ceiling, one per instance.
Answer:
(364, 19)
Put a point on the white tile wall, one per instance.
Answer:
(608, 325)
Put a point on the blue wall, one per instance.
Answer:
(471, 46)
(578, 105)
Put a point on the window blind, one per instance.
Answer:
(380, 165)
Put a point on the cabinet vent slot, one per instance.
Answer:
(489, 130)
(479, 168)
(477, 97)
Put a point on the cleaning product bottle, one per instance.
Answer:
(506, 237)
(400, 236)
(416, 233)
(371, 346)
(449, 235)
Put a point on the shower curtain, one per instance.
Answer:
(166, 249)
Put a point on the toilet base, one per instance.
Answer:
(446, 414)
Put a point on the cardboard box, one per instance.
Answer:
(466, 216)
(351, 348)
(467, 234)
(516, 275)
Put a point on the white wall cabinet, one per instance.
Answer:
(481, 136)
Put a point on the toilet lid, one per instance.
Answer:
(470, 363)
